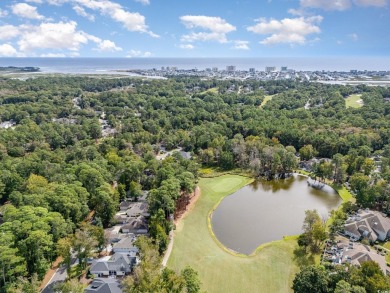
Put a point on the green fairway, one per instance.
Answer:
(213, 90)
(354, 101)
(266, 99)
(272, 269)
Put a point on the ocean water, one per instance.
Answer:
(110, 65)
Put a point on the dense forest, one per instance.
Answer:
(79, 145)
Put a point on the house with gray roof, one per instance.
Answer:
(368, 224)
(108, 285)
(130, 210)
(137, 209)
(185, 155)
(137, 225)
(354, 253)
(125, 205)
(125, 245)
(360, 253)
(118, 264)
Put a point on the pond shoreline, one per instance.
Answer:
(271, 270)
(263, 245)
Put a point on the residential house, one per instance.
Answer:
(114, 236)
(121, 218)
(185, 155)
(355, 254)
(125, 205)
(368, 224)
(137, 225)
(118, 264)
(308, 165)
(132, 210)
(108, 285)
(137, 209)
(125, 245)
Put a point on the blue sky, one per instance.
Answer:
(194, 28)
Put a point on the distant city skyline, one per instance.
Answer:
(177, 28)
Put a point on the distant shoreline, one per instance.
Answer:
(91, 64)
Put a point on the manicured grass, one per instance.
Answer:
(386, 245)
(303, 172)
(266, 99)
(213, 90)
(352, 101)
(343, 192)
(272, 269)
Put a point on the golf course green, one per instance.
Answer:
(270, 269)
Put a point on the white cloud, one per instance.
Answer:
(108, 46)
(57, 2)
(144, 2)
(57, 36)
(340, 5)
(297, 12)
(216, 28)
(327, 4)
(34, 1)
(3, 13)
(203, 36)
(26, 11)
(61, 35)
(132, 21)
(241, 45)
(53, 55)
(8, 32)
(81, 11)
(136, 53)
(214, 24)
(288, 30)
(6, 50)
(354, 37)
(377, 3)
(186, 46)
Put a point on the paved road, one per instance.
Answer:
(59, 276)
(169, 250)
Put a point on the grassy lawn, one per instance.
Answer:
(266, 99)
(352, 101)
(386, 245)
(343, 192)
(213, 90)
(272, 269)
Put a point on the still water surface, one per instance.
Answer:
(265, 211)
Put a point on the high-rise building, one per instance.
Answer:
(215, 69)
(230, 68)
(283, 68)
(270, 69)
(252, 70)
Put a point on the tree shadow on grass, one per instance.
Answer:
(303, 258)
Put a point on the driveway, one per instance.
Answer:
(59, 277)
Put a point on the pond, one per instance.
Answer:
(265, 211)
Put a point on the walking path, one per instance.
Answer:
(169, 249)
(189, 207)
